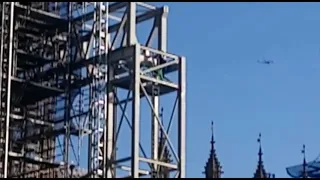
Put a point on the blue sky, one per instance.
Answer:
(222, 43)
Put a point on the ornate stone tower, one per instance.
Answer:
(304, 165)
(260, 171)
(213, 169)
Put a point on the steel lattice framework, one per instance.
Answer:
(71, 74)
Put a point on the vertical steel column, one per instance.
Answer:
(163, 30)
(8, 101)
(131, 40)
(90, 46)
(131, 17)
(182, 118)
(67, 120)
(1, 50)
(155, 125)
(162, 46)
(94, 136)
(109, 101)
(110, 121)
(99, 116)
(136, 115)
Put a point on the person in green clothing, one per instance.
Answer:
(160, 73)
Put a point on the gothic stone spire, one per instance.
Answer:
(304, 170)
(260, 171)
(213, 169)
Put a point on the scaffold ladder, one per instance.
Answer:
(98, 116)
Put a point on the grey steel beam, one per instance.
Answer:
(139, 19)
(40, 14)
(158, 52)
(159, 82)
(112, 8)
(163, 29)
(67, 119)
(147, 6)
(129, 57)
(132, 27)
(161, 24)
(8, 100)
(161, 67)
(136, 115)
(182, 118)
(166, 136)
(109, 125)
(110, 120)
(169, 165)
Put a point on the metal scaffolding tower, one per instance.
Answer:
(69, 73)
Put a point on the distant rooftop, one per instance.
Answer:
(312, 168)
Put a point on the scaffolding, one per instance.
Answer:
(69, 73)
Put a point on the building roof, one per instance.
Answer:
(312, 169)
(306, 169)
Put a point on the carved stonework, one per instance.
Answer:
(213, 168)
